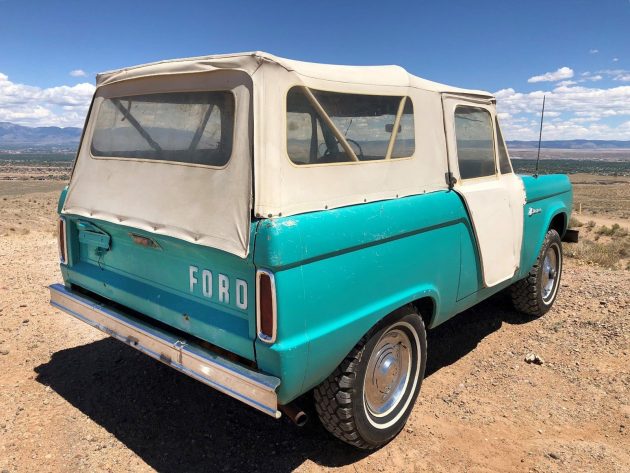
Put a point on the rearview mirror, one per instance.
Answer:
(389, 127)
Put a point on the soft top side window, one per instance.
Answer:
(475, 142)
(504, 159)
(331, 127)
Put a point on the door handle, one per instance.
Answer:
(450, 180)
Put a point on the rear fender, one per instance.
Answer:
(62, 199)
(330, 343)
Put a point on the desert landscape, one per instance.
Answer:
(72, 399)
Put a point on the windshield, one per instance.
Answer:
(183, 127)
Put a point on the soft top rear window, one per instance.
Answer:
(182, 127)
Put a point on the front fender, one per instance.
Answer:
(547, 197)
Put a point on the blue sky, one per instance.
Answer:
(578, 52)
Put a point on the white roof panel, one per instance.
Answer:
(251, 61)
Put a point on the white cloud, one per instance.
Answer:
(615, 59)
(35, 106)
(574, 112)
(78, 73)
(593, 51)
(621, 75)
(560, 74)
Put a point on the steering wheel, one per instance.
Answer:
(328, 153)
(360, 156)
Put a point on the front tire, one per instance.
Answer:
(535, 294)
(369, 397)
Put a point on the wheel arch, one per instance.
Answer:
(343, 400)
(340, 341)
(556, 218)
(427, 308)
(527, 294)
(559, 222)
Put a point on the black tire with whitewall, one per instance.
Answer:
(535, 294)
(366, 401)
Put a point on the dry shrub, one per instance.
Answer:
(609, 255)
(616, 231)
(575, 223)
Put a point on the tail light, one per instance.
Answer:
(63, 245)
(266, 316)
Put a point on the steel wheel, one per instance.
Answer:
(535, 294)
(550, 272)
(388, 372)
(369, 397)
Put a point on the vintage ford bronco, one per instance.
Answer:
(272, 228)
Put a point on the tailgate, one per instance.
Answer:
(199, 290)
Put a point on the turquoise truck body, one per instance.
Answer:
(251, 220)
(337, 273)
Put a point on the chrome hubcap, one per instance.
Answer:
(550, 272)
(388, 372)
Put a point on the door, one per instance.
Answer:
(493, 194)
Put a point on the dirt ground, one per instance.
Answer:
(72, 399)
(605, 196)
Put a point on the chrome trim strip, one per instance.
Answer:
(263, 337)
(251, 387)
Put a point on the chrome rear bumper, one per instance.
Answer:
(251, 387)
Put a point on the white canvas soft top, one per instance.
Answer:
(213, 207)
(249, 62)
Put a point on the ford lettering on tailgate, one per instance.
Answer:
(218, 287)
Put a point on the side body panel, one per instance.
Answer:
(340, 271)
(547, 198)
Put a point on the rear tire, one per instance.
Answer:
(366, 401)
(535, 294)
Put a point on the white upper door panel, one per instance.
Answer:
(494, 200)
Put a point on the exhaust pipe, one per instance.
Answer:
(297, 415)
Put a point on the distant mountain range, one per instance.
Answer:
(570, 144)
(51, 138)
